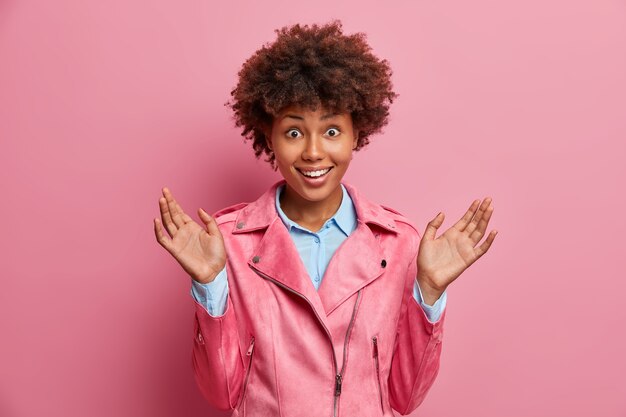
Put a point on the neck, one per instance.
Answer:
(309, 212)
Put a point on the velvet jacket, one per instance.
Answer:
(361, 343)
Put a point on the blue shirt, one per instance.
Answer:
(315, 249)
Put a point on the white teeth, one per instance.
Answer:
(315, 174)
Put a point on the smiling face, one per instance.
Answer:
(313, 150)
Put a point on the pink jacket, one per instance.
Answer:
(359, 346)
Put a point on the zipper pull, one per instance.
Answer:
(251, 347)
(375, 340)
(337, 385)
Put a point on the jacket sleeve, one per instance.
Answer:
(417, 350)
(217, 357)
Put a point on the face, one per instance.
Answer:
(313, 150)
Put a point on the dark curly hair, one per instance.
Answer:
(308, 67)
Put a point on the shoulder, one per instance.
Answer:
(228, 214)
(407, 230)
(406, 236)
(383, 215)
(401, 220)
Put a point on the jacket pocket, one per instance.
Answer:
(377, 368)
(249, 354)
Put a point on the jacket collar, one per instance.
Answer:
(261, 213)
(355, 264)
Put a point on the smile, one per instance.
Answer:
(315, 174)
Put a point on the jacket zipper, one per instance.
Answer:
(245, 383)
(380, 392)
(338, 376)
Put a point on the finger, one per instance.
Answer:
(184, 215)
(464, 221)
(167, 217)
(482, 249)
(210, 223)
(433, 225)
(479, 214)
(171, 204)
(479, 232)
(160, 236)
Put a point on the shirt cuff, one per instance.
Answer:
(212, 296)
(432, 312)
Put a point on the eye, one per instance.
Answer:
(293, 133)
(333, 131)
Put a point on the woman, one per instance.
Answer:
(313, 300)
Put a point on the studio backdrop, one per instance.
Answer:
(104, 103)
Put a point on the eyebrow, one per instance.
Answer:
(324, 117)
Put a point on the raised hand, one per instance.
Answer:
(440, 261)
(199, 251)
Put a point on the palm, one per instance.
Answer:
(442, 260)
(196, 250)
(199, 251)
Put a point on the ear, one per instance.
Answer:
(268, 138)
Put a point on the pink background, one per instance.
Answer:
(104, 103)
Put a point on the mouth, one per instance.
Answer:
(315, 174)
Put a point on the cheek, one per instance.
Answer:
(342, 153)
(285, 161)
(283, 154)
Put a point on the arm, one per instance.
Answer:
(440, 261)
(217, 358)
(417, 351)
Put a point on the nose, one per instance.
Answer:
(313, 148)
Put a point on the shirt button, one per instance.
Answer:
(256, 259)
(383, 263)
(317, 240)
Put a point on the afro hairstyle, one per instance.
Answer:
(309, 66)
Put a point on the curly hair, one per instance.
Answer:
(309, 67)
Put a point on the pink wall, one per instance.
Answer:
(104, 103)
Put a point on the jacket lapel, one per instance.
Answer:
(356, 263)
(359, 260)
(278, 259)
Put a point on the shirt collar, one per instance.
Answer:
(260, 213)
(345, 217)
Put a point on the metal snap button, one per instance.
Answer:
(256, 259)
(240, 225)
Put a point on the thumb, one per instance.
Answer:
(209, 222)
(433, 225)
